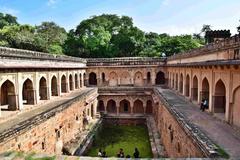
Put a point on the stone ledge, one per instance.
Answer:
(27, 54)
(206, 145)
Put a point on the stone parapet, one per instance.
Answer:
(125, 61)
(27, 54)
(233, 42)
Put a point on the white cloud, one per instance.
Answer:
(165, 2)
(51, 2)
(9, 10)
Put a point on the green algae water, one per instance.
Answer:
(111, 138)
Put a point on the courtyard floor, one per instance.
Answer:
(220, 132)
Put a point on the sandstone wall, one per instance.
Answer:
(49, 131)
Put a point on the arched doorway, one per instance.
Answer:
(84, 79)
(148, 77)
(125, 79)
(80, 79)
(236, 107)
(205, 90)
(113, 79)
(70, 82)
(138, 79)
(8, 96)
(124, 106)
(149, 108)
(195, 89)
(220, 97)
(176, 82)
(43, 89)
(181, 84)
(76, 81)
(100, 107)
(111, 106)
(160, 78)
(92, 79)
(28, 92)
(54, 88)
(173, 80)
(187, 86)
(63, 84)
(138, 107)
(103, 78)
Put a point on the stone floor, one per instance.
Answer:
(19, 117)
(220, 132)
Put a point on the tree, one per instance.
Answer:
(7, 19)
(53, 35)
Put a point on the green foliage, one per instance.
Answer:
(107, 35)
(112, 138)
(7, 20)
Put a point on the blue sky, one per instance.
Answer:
(170, 16)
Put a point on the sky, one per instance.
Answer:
(174, 17)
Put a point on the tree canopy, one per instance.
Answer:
(106, 35)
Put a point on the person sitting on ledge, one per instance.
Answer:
(136, 153)
(120, 153)
(99, 153)
(104, 154)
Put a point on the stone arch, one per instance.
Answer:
(113, 79)
(8, 96)
(138, 79)
(70, 82)
(54, 86)
(181, 83)
(28, 92)
(176, 82)
(76, 81)
(111, 106)
(195, 88)
(138, 106)
(160, 78)
(205, 89)
(149, 107)
(124, 106)
(149, 77)
(92, 79)
(80, 80)
(220, 97)
(187, 86)
(43, 89)
(103, 77)
(100, 107)
(236, 107)
(63, 84)
(125, 79)
(84, 79)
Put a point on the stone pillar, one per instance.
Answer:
(118, 107)
(119, 80)
(144, 109)
(184, 85)
(153, 78)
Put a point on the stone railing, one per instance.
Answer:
(233, 42)
(125, 61)
(27, 54)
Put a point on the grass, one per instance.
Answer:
(222, 152)
(112, 138)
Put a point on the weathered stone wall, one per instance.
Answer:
(49, 131)
(175, 140)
